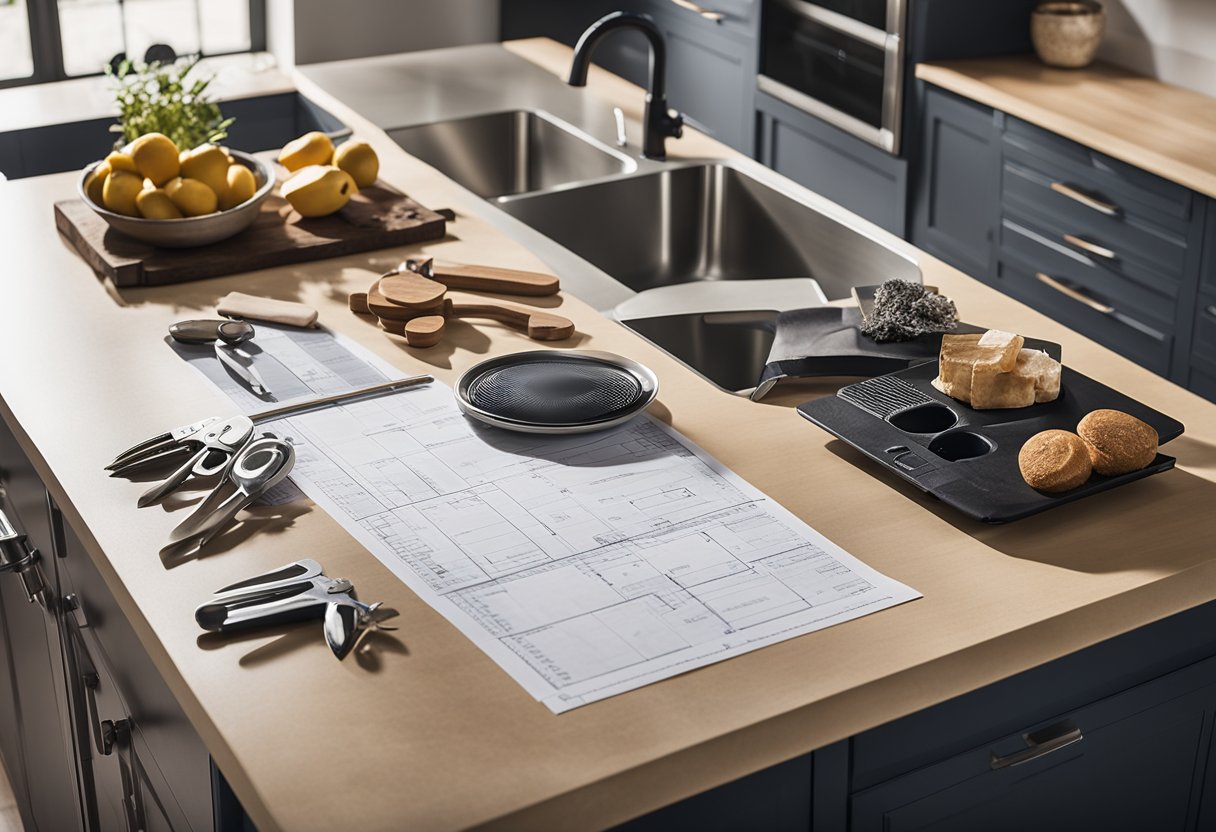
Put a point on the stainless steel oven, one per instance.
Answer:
(840, 60)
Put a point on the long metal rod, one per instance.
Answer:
(351, 395)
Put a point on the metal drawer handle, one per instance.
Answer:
(1039, 744)
(1076, 295)
(708, 14)
(1090, 248)
(1108, 208)
(18, 555)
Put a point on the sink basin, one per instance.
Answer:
(728, 348)
(511, 152)
(706, 222)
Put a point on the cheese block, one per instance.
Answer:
(997, 351)
(994, 370)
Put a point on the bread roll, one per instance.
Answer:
(1055, 461)
(1118, 442)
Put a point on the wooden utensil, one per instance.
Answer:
(425, 328)
(486, 278)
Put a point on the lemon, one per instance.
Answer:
(192, 197)
(122, 161)
(209, 165)
(155, 204)
(95, 182)
(119, 192)
(313, 148)
(241, 186)
(319, 190)
(360, 161)
(156, 156)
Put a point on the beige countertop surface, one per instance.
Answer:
(425, 732)
(1162, 128)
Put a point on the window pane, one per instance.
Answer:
(225, 25)
(16, 60)
(174, 22)
(91, 33)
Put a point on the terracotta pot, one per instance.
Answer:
(1067, 34)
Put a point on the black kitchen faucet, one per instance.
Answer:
(660, 122)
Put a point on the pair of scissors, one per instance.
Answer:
(299, 591)
(218, 443)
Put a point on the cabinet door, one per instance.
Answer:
(35, 735)
(847, 170)
(1127, 762)
(956, 188)
(159, 766)
(711, 77)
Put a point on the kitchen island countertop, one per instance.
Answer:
(433, 734)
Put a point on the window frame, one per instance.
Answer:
(46, 47)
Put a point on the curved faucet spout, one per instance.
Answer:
(660, 123)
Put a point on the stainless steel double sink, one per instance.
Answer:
(654, 226)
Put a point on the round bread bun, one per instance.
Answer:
(1118, 442)
(1054, 461)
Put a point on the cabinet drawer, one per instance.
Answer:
(1127, 336)
(1124, 762)
(1124, 237)
(1152, 305)
(740, 18)
(1133, 190)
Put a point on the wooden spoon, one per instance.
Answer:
(426, 328)
(486, 278)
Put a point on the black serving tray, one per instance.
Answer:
(969, 458)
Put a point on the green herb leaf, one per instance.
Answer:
(156, 98)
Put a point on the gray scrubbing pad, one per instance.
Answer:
(904, 310)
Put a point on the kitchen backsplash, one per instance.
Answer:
(1168, 39)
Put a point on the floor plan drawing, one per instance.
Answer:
(584, 565)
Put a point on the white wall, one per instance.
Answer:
(311, 31)
(1173, 40)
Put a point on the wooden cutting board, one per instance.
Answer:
(377, 217)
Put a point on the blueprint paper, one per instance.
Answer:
(297, 364)
(584, 565)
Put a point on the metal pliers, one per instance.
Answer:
(299, 591)
(162, 448)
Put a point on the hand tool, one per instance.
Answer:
(171, 444)
(157, 449)
(221, 442)
(226, 335)
(299, 591)
(261, 465)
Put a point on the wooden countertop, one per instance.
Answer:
(430, 734)
(1164, 129)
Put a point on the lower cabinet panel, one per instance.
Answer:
(1130, 764)
(777, 799)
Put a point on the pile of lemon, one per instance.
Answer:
(324, 178)
(151, 178)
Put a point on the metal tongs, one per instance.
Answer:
(299, 591)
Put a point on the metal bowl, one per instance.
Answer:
(192, 231)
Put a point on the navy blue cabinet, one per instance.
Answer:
(957, 186)
(1112, 251)
(863, 178)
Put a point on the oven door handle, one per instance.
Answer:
(838, 22)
